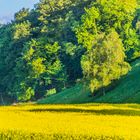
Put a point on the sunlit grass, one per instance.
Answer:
(86, 121)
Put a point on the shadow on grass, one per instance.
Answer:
(96, 112)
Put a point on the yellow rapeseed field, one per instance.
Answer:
(72, 122)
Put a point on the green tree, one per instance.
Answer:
(41, 49)
(22, 30)
(22, 15)
(37, 70)
(104, 15)
(104, 61)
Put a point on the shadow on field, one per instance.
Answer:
(96, 112)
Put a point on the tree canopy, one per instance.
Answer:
(51, 46)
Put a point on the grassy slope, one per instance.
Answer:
(128, 91)
(76, 94)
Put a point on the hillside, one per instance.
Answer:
(50, 47)
(127, 91)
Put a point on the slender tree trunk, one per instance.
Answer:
(2, 99)
(103, 91)
(64, 84)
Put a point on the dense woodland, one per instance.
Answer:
(59, 43)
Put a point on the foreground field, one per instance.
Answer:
(86, 121)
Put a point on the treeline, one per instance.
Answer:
(48, 48)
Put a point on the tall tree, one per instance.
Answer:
(104, 61)
(104, 15)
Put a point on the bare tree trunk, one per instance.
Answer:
(2, 99)
(103, 91)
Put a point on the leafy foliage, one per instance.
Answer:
(43, 48)
(104, 62)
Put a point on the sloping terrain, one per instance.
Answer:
(76, 94)
(127, 91)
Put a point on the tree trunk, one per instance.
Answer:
(103, 91)
(2, 99)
